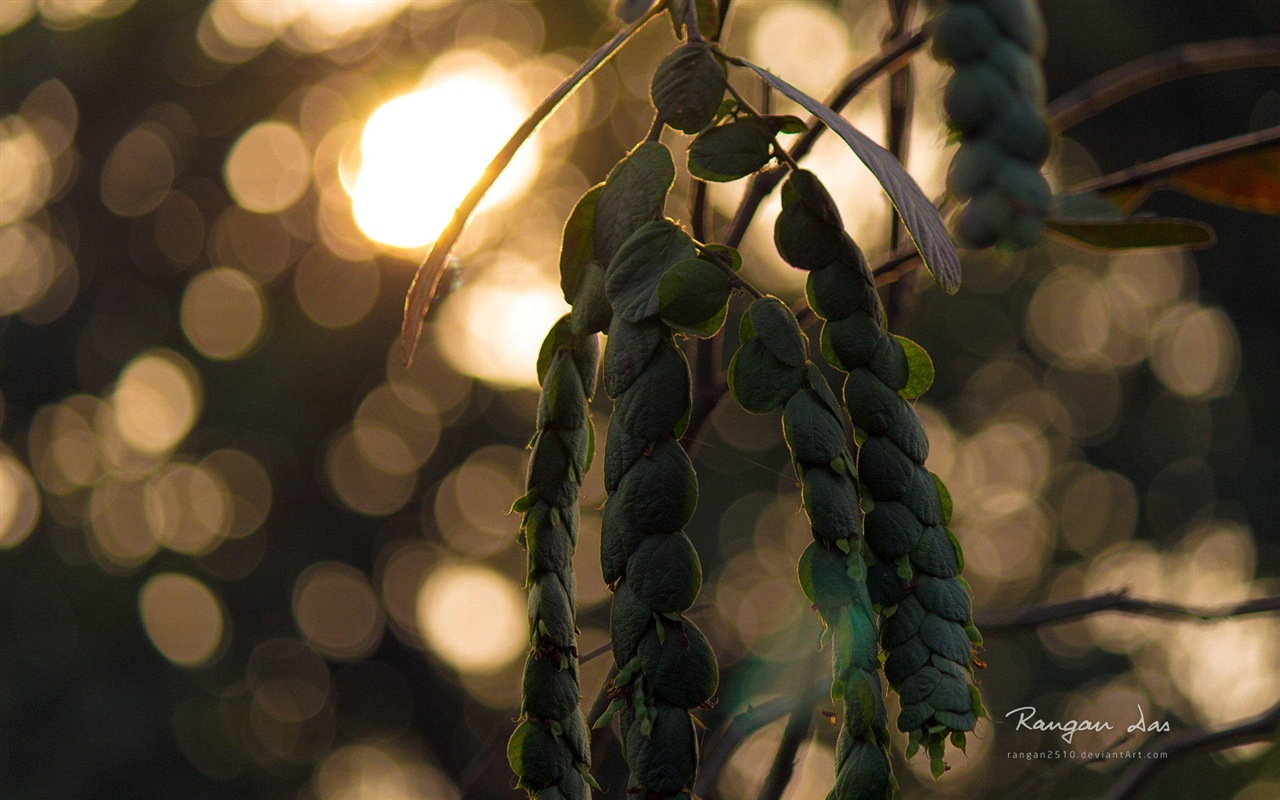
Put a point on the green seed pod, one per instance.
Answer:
(964, 34)
(688, 87)
(666, 759)
(551, 742)
(914, 576)
(1021, 21)
(680, 666)
(665, 573)
(832, 569)
(549, 691)
(666, 667)
(995, 100)
(973, 168)
(974, 97)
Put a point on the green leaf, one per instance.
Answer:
(920, 369)
(779, 331)
(918, 214)
(634, 194)
(730, 255)
(784, 123)
(687, 88)
(1132, 233)
(577, 248)
(730, 151)
(631, 280)
(759, 381)
(944, 498)
(525, 502)
(693, 296)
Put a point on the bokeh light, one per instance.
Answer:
(156, 401)
(493, 327)
(183, 618)
(472, 618)
(268, 168)
(337, 611)
(223, 313)
(421, 152)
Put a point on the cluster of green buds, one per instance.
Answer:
(995, 102)
(914, 580)
(772, 368)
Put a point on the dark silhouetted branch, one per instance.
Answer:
(1117, 601)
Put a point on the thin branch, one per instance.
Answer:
(783, 768)
(901, 96)
(1184, 61)
(1117, 601)
(763, 183)
(1135, 780)
(423, 288)
(730, 737)
(1150, 171)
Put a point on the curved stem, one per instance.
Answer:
(1141, 174)
(418, 300)
(1137, 778)
(1120, 602)
(1201, 58)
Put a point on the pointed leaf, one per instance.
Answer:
(1249, 181)
(577, 248)
(918, 214)
(920, 369)
(1133, 232)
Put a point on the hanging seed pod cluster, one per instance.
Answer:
(770, 369)
(995, 101)
(927, 631)
(882, 571)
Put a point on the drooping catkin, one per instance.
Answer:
(927, 629)
(995, 101)
(666, 665)
(772, 368)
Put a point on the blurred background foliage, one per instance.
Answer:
(247, 554)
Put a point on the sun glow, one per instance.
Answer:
(421, 152)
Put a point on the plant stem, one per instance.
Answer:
(1117, 601)
(898, 124)
(1141, 174)
(1135, 780)
(778, 150)
(423, 288)
(1126, 80)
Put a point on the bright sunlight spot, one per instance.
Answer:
(472, 617)
(422, 151)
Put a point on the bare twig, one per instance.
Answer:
(728, 738)
(1141, 174)
(423, 288)
(1117, 601)
(794, 734)
(901, 97)
(1174, 747)
(1184, 61)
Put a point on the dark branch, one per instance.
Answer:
(1117, 601)
(725, 741)
(1150, 171)
(1183, 744)
(1184, 61)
